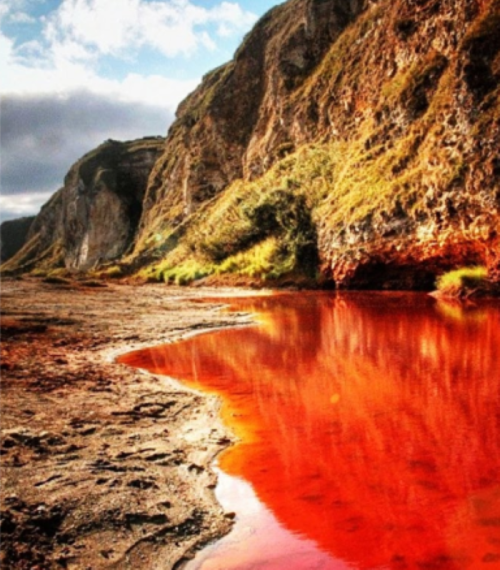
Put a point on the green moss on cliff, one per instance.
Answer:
(261, 228)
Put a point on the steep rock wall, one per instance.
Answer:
(420, 190)
(93, 218)
(402, 97)
(359, 138)
(226, 129)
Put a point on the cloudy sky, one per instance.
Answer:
(77, 72)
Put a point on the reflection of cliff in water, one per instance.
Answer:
(371, 422)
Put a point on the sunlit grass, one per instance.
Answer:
(260, 260)
(185, 273)
(113, 272)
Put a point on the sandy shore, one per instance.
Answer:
(103, 466)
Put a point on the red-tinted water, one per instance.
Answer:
(370, 427)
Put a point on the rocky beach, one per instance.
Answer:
(104, 466)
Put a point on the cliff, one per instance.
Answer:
(360, 137)
(93, 218)
(231, 126)
(13, 236)
(348, 142)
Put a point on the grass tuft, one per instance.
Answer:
(184, 273)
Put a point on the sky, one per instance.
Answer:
(74, 73)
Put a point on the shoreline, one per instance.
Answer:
(104, 465)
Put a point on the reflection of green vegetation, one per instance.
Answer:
(463, 282)
(457, 311)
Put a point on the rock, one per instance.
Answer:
(93, 218)
(13, 235)
(220, 133)
(396, 103)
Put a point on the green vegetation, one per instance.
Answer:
(184, 273)
(263, 228)
(463, 282)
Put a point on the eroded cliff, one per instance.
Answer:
(380, 121)
(13, 235)
(93, 218)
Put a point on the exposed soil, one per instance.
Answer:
(103, 466)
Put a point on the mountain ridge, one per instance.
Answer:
(13, 236)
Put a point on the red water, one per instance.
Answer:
(370, 427)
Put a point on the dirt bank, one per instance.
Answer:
(103, 466)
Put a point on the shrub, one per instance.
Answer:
(113, 272)
(258, 261)
(281, 214)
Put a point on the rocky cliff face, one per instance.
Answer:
(234, 125)
(92, 219)
(383, 115)
(356, 141)
(420, 186)
(13, 235)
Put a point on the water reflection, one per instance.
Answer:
(369, 423)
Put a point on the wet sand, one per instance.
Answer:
(104, 466)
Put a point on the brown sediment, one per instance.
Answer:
(103, 466)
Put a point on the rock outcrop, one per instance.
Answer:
(352, 140)
(13, 235)
(93, 218)
(230, 126)
(397, 101)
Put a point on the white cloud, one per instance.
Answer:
(21, 205)
(84, 29)
(230, 16)
(80, 32)
(67, 76)
(43, 135)
(66, 105)
(98, 24)
(16, 11)
(152, 89)
(21, 18)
